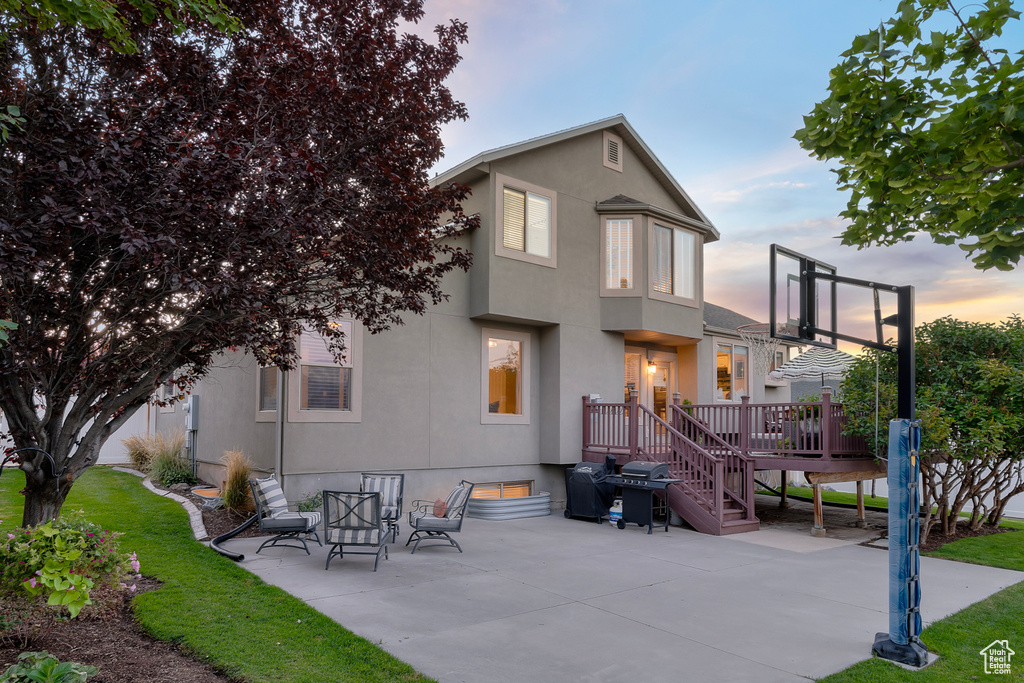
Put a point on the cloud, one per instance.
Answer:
(739, 194)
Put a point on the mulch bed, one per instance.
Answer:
(117, 646)
(119, 649)
(937, 540)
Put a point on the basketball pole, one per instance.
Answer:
(903, 643)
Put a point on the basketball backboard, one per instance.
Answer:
(802, 305)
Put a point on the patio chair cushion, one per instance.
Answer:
(388, 486)
(354, 536)
(389, 512)
(422, 521)
(272, 497)
(289, 520)
(456, 500)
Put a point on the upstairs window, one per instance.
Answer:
(673, 264)
(620, 262)
(525, 222)
(268, 388)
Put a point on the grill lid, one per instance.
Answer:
(639, 469)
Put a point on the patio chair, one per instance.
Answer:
(274, 516)
(353, 519)
(433, 525)
(390, 487)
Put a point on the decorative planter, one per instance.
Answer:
(537, 505)
(212, 499)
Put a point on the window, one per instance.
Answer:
(505, 386)
(169, 391)
(612, 151)
(266, 407)
(673, 264)
(321, 389)
(525, 222)
(732, 371)
(618, 256)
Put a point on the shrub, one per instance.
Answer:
(42, 666)
(170, 466)
(140, 451)
(66, 563)
(311, 502)
(236, 493)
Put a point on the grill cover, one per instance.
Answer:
(638, 469)
(587, 492)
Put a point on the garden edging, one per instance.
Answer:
(195, 517)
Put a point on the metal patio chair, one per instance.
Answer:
(390, 487)
(275, 517)
(353, 519)
(436, 529)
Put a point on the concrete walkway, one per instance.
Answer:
(552, 599)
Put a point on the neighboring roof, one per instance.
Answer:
(621, 127)
(723, 319)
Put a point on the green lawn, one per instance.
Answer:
(213, 607)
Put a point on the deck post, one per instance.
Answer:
(634, 422)
(861, 522)
(745, 409)
(784, 501)
(826, 423)
(819, 516)
(586, 425)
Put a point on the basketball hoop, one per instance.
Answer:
(762, 345)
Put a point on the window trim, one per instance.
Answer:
(637, 248)
(294, 384)
(500, 183)
(732, 344)
(497, 418)
(266, 415)
(606, 141)
(164, 395)
(698, 251)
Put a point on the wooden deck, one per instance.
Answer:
(715, 450)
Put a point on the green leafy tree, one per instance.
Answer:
(927, 123)
(970, 400)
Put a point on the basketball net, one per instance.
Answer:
(762, 345)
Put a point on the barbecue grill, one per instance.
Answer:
(639, 480)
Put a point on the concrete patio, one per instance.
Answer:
(553, 599)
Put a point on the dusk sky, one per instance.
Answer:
(716, 89)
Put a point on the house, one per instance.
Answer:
(587, 280)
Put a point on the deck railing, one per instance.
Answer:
(812, 429)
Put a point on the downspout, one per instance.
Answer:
(279, 430)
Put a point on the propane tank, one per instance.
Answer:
(615, 511)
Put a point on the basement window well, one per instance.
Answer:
(508, 500)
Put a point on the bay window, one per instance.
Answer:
(674, 264)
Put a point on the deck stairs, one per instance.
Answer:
(716, 491)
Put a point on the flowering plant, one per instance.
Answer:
(64, 560)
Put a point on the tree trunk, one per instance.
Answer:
(43, 499)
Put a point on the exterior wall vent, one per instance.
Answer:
(612, 151)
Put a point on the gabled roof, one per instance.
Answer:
(620, 126)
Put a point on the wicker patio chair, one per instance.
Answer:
(390, 487)
(288, 526)
(433, 525)
(353, 519)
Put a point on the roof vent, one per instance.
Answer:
(613, 151)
